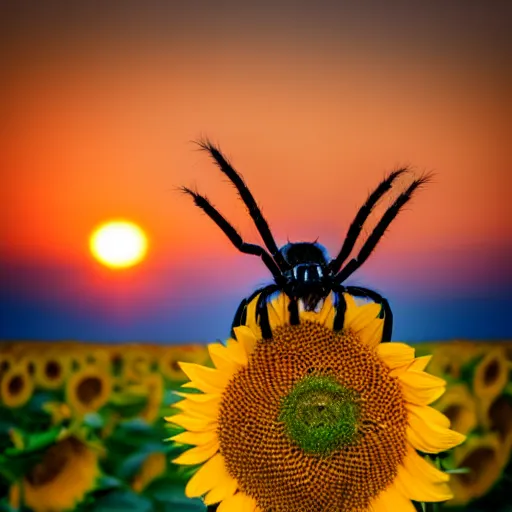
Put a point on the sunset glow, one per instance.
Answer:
(119, 244)
(312, 102)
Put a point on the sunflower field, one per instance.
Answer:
(82, 425)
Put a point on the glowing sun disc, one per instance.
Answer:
(119, 244)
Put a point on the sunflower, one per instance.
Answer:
(88, 389)
(491, 374)
(66, 473)
(137, 363)
(449, 360)
(7, 360)
(484, 458)
(153, 466)
(17, 385)
(313, 409)
(51, 368)
(498, 418)
(94, 355)
(155, 389)
(15, 496)
(169, 362)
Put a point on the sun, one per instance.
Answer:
(118, 244)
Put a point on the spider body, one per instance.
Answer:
(307, 277)
(303, 270)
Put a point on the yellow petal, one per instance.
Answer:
(278, 313)
(240, 502)
(350, 302)
(308, 316)
(251, 317)
(222, 359)
(200, 398)
(209, 409)
(419, 480)
(205, 379)
(210, 475)
(193, 424)
(430, 436)
(358, 317)
(395, 354)
(420, 363)
(421, 467)
(371, 335)
(246, 338)
(421, 388)
(195, 438)
(328, 312)
(222, 491)
(461, 407)
(237, 352)
(429, 440)
(429, 415)
(198, 454)
(391, 500)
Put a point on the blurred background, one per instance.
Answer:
(313, 102)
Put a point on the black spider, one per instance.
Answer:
(303, 270)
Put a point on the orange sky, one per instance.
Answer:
(98, 124)
(313, 102)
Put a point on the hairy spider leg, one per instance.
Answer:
(248, 199)
(340, 306)
(234, 236)
(362, 215)
(262, 310)
(240, 317)
(293, 309)
(380, 229)
(385, 311)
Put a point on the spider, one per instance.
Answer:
(303, 270)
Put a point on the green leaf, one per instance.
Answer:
(130, 410)
(135, 433)
(190, 506)
(127, 398)
(136, 425)
(93, 420)
(35, 442)
(5, 507)
(121, 500)
(6, 424)
(14, 468)
(40, 440)
(131, 465)
(107, 482)
(458, 471)
(170, 397)
(164, 490)
(37, 401)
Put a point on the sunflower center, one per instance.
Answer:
(54, 462)
(53, 370)
(313, 409)
(88, 390)
(320, 415)
(16, 385)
